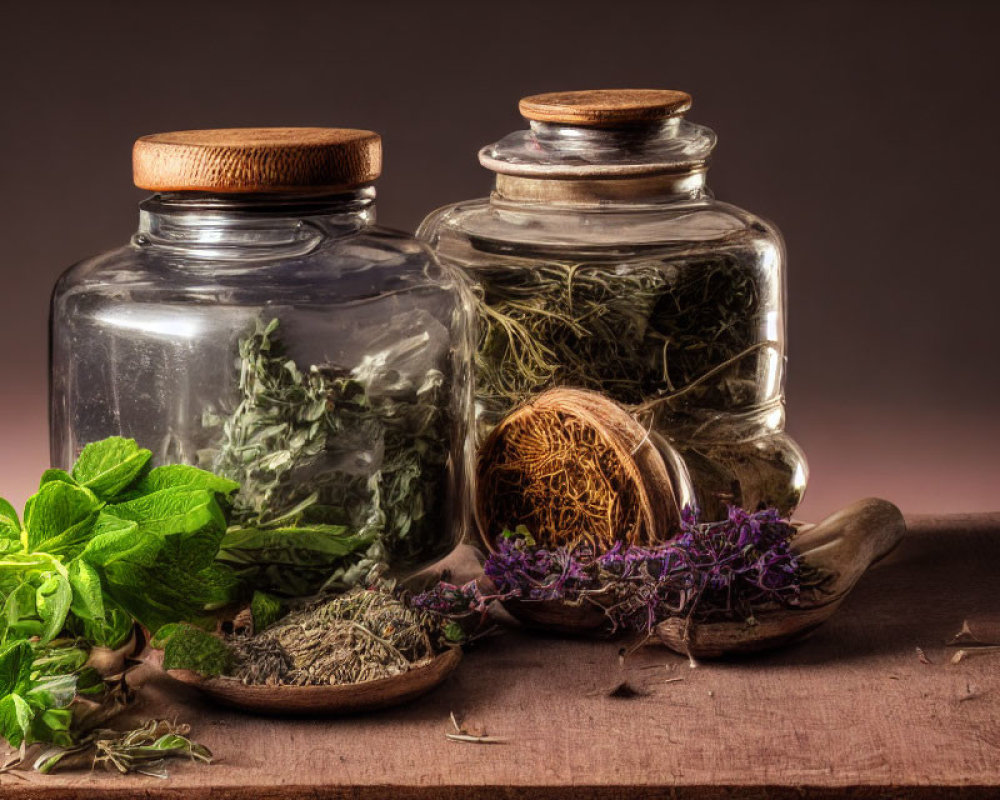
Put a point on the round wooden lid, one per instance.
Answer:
(245, 160)
(605, 107)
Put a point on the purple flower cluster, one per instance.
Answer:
(722, 569)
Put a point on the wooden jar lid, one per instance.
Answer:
(605, 107)
(245, 160)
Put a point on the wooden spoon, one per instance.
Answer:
(843, 545)
(325, 700)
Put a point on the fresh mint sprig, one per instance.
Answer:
(108, 544)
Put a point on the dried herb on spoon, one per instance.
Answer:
(721, 570)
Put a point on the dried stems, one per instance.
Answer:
(682, 332)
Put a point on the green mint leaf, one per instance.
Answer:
(117, 539)
(16, 717)
(56, 691)
(265, 609)
(52, 475)
(108, 466)
(453, 632)
(171, 511)
(15, 667)
(53, 599)
(306, 544)
(58, 518)
(178, 476)
(88, 597)
(113, 631)
(53, 725)
(191, 648)
(162, 636)
(20, 613)
(10, 524)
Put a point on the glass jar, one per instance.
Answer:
(603, 262)
(260, 325)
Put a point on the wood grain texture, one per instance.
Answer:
(251, 160)
(850, 712)
(605, 107)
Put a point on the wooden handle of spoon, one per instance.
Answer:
(847, 543)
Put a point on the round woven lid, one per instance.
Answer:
(245, 160)
(605, 107)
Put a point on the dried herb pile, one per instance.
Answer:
(720, 570)
(360, 635)
(339, 470)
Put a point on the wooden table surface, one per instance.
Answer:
(852, 711)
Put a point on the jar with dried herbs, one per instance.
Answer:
(259, 324)
(603, 263)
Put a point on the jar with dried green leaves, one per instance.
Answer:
(259, 324)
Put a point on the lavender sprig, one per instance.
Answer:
(724, 569)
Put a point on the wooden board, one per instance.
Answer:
(850, 712)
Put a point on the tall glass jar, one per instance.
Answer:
(603, 262)
(259, 324)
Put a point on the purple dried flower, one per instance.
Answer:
(711, 569)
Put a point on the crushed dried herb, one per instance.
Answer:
(362, 635)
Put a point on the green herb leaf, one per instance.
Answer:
(117, 539)
(265, 609)
(16, 717)
(178, 476)
(52, 475)
(53, 599)
(15, 666)
(88, 597)
(108, 466)
(10, 524)
(191, 648)
(56, 691)
(59, 517)
(190, 522)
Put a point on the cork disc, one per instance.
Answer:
(575, 468)
(246, 160)
(605, 107)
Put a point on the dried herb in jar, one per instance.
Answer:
(685, 333)
(340, 470)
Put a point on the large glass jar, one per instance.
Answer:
(259, 324)
(603, 262)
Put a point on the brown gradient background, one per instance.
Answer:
(866, 130)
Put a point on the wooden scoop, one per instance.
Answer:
(325, 700)
(843, 545)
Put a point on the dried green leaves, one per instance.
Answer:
(339, 470)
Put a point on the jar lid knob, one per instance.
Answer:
(605, 107)
(252, 160)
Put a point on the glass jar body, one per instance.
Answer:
(674, 308)
(295, 347)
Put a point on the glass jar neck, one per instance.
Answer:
(645, 163)
(237, 225)
(668, 187)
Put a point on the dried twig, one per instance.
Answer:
(460, 734)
